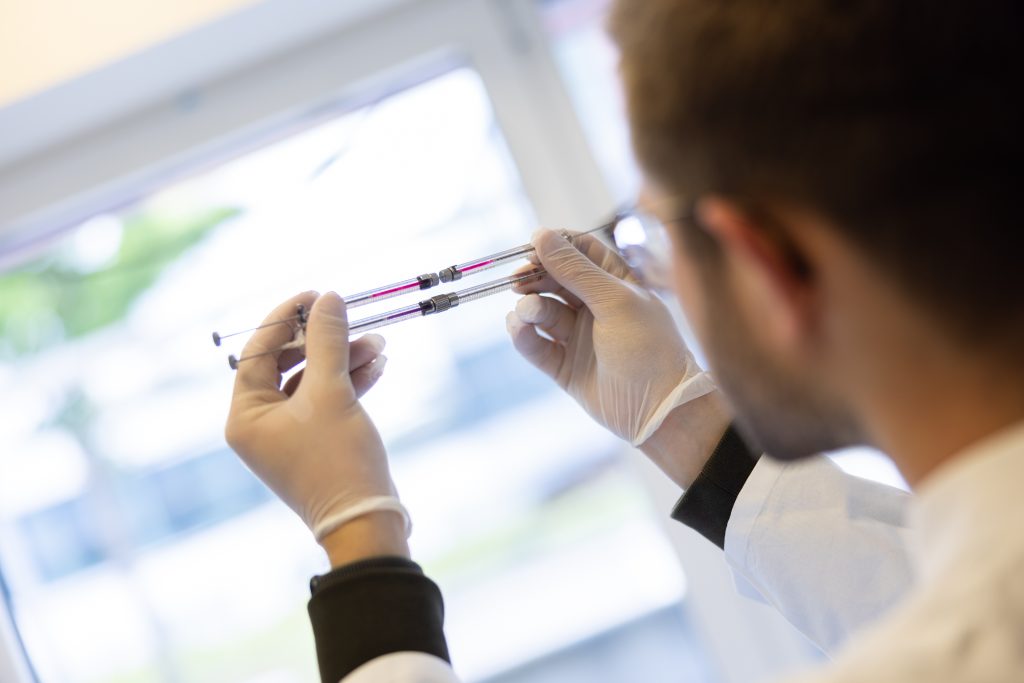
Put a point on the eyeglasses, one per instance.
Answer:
(643, 242)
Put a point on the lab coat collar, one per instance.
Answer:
(970, 508)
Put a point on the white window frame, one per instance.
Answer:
(54, 172)
(113, 135)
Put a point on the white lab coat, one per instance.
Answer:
(932, 585)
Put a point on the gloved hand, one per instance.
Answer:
(616, 348)
(312, 443)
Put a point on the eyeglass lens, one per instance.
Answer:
(643, 242)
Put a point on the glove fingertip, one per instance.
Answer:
(528, 308)
(327, 348)
(376, 341)
(512, 322)
(545, 240)
(330, 303)
(366, 377)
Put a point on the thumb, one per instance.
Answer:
(572, 269)
(327, 338)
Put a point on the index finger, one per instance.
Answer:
(545, 284)
(601, 254)
(262, 372)
(605, 256)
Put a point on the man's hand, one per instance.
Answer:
(615, 348)
(311, 442)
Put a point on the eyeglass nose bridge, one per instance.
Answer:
(641, 240)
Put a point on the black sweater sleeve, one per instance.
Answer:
(372, 608)
(707, 505)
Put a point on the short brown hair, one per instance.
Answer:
(899, 121)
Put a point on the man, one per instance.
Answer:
(835, 178)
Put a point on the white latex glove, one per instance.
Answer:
(615, 349)
(312, 443)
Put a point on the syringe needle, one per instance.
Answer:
(218, 337)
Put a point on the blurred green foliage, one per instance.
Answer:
(54, 298)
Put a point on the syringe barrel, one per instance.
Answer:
(442, 302)
(496, 259)
(370, 296)
(383, 319)
(489, 288)
(486, 263)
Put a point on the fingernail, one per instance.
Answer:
(378, 366)
(378, 342)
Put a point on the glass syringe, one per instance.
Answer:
(479, 265)
(425, 281)
(431, 306)
(437, 304)
(450, 274)
(443, 302)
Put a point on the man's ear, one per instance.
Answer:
(767, 266)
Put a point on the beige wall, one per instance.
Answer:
(45, 42)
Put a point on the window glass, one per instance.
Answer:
(137, 548)
(588, 61)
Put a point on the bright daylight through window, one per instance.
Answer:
(135, 546)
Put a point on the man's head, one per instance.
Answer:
(851, 163)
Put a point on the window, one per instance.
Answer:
(136, 546)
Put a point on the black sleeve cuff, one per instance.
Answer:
(372, 608)
(707, 505)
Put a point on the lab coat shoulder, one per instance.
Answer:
(827, 549)
(967, 634)
(403, 667)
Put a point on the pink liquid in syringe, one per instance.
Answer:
(475, 266)
(411, 285)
